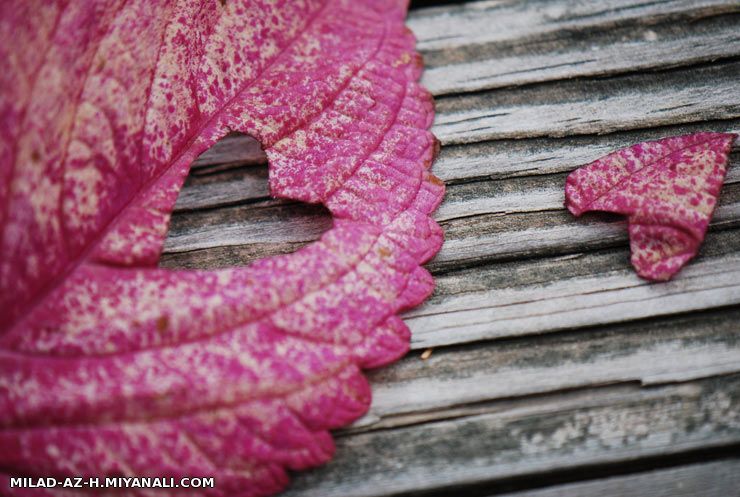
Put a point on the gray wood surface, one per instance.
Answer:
(720, 479)
(532, 436)
(593, 106)
(494, 44)
(542, 366)
(505, 21)
(668, 350)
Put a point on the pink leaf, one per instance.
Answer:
(667, 188)
(111, 366)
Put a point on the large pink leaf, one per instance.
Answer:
(110, 366)
(667, 188)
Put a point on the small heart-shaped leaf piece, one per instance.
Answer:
(667, 188)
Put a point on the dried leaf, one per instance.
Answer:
(667, 188)
(111, 366)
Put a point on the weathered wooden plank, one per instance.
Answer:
(235, 148)
(545, 270)
(226, 187)
(591, 106)
(552, 235)
(471, 215)
(517, 22)
(550, 231)
(597, 52)
(593, 299)
(543, 295)
(525, 217)
(713, 479)
(509, 158)
(531, 436)
(270, 223)
(672, 349)
(226, 256)
(484, 238)
(529, 194)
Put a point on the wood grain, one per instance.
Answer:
(509, 21)
(483, 221)
(267, 222)
(233, 149)
(715, 479)
(496, 230)
(593, 50)
(664, 350)
(538, 435)
(531, 156)
(563, 304)
(594, 106)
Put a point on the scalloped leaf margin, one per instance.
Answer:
(111, 366)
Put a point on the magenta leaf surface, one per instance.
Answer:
(111, 366)
(668, 190)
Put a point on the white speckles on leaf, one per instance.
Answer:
(109, 365)
(667, 188)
